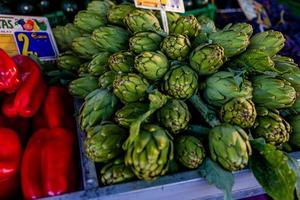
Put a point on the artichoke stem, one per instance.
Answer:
(198, 130)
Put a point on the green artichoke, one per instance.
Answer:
(144, 41)
(99, 64)
(122, 61)
(89, 21)
(229, 145)
(150, 153)
(171, 17)
(83, 69)
(189, 151)
(239, 111)
(81, 87)
(130, 87)
(152, 65)
(64, 35)
(295, 135)
(69, 61)
(98, 106)
(84, 47)
(296, 105)
(207, 25)
(270, 42)
(111, 38)
(129, 113)
(223, 86)
(117, 13)
(233, 42)
(180, 82)
(272, 127)
(141, 21)
(272, 93)
(186, 25)
(100, 7)
(115, 172)
(207, 59)
(104, 142)
(176, 47)
(174, 116)
(106, 80)
(240, 27)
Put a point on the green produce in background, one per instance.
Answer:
(229, 145)
(122, 61)
(207, 25)
(145, 41)
(117, 13)
(271, 126)
(130, 112)
(189, 151)
(272, 92)
(100, 7)
(98, 65)
(171, 16)
(174, 116)
(130, 87)
(150, 153)
(271, 42)
(64, 35)
(106, 80)
(240, 27)
(104, 142)
(98, 106)
(89, 21)
(152, 65)
(116, 172)
(111, 38)
(180, 82)
(84, 47)
(207, 59)
(69, 61)
(83, 69)
(295, 135)
(239, 111)
(176, 47)
(186, 25)
(223, 86)
(81, 87)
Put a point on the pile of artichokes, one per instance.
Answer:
(143, 90)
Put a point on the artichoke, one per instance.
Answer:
(122, 61)
(115, 172)
(89, 21)
(296, 105)
(153, 65)
(98, 106)
(130, 87)
(272, 127)
(180, 82)
(272, 93)
(171, 17)
(295, 135)
(229, 145)
(233, 42)
(239, 111)
(207, 59)
(98, 65)
(83, 69)
(141, 21)
(144, 41)
(207, 25)
(106, 80)
(186, 25)
(81, 87)
(270, 42)
(64, 35)
(111, 38)
(100, 7)
(69, 61)
(129, 113)
(223, 86)
(84, 47)
(104, 142)
(117, 13)
(240, 27)
(150, 153)
(189, 151)
(174, 116)
(176, 47)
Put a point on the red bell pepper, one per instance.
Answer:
(29, 96)
(9, 75)
(10, 158)
(48, 164)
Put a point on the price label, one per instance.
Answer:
(167, 5)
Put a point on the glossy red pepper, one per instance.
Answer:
(10, 158)
(48, 164)
(9, 75)
(29, 96)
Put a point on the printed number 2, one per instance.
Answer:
(23, 38)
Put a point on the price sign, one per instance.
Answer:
(167, 5)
